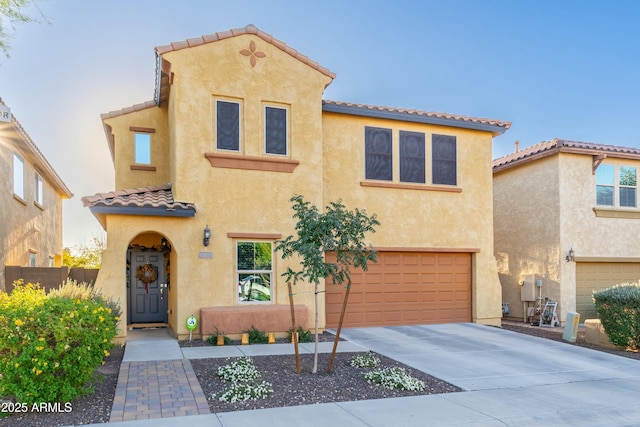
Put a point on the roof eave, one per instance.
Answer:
(355, 110)
(144, 211)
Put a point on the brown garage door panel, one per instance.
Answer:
(406, 288)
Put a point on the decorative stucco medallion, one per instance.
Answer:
(252, 53)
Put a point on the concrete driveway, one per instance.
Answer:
(512, 379)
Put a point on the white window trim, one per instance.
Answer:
(237, 273)
(38, 191)
(616, 189)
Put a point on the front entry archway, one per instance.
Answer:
(148, 289)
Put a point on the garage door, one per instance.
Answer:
(592, 276)
(405, 288)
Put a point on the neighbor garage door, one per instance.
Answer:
(592, 276)
(405, 288)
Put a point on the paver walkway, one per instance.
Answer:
(156, 388)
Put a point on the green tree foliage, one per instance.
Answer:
(12, 12)
(86, 255)
(337, 230)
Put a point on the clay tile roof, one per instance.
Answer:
(249, 29)
(156, 197)
(415, 115)
(557, 145)
(127, 110)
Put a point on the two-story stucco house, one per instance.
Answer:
(566, 212)
(205, 171)
(30, 200)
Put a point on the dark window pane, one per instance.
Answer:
(412, 157)
(378, 158)
(604, 195)
(245, 256)
(628, 197)
(228, 126)
(444, 163)
(276, 130)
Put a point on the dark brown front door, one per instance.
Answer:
(147, 291)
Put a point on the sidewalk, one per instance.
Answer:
(157, 380)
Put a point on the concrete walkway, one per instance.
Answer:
(511, 380)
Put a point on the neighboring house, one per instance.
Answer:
(567, 212)
(31, 202)
(237, 127)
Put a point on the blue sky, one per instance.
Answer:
(565, 69)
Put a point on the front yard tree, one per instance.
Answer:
(337, 230)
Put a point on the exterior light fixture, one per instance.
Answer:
(571, 256)
(207, 236)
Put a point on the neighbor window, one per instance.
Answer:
(275, 130)
(18, 176)
(378, 154)
(628, 186)
(228, 126)
(412, 157)
(32, 259)
(143, 148)
(444, 163)
(254, 271)
(616, 189)
(37, 193)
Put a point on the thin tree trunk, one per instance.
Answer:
(335, 341)
(294, 335)
(315, 353)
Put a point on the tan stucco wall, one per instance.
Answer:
(527, 229)
(419, 218)
(25, 226)
(544, 208)
(228, 200)
(592, 238)
(124, 148)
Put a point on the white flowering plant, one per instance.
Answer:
(394, 378)
(244, 382)
(365, 360)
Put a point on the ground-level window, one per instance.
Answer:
(254, 271)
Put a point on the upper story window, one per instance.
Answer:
(444, 161)
(412, 157)
(378, 154)
(227, 125)
(18, 176)
(616, 189)
(275, 130)
(254, 271)
(143, 148)
(37, 191)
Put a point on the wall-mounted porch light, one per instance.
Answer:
(207, 236)
(571, 256)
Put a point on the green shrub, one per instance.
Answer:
(303, 336)
(618, 308)
(52, 345)
(257, 336)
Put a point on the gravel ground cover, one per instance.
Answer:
(345, 383)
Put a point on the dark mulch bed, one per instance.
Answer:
(290, 388)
